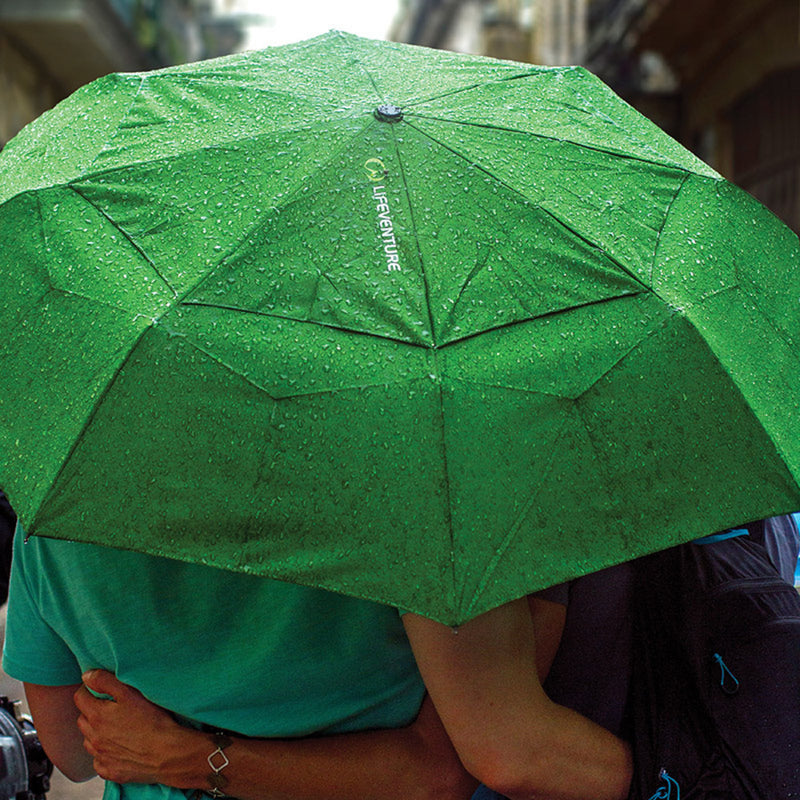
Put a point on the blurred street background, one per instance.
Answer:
(721, 76)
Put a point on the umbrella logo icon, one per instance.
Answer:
(376, 170)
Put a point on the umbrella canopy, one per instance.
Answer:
(430, 329)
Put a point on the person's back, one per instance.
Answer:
(592, 668)
(231, 651)
(715, 705)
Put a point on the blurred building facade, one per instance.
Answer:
(733, 89)
(48, 48)
(500, 28)
(721, 76)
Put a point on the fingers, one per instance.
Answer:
(94, 711)
(111, 770)
(85, 700)
(101, 681)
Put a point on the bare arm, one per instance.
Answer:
(548, 620)
(56, 720)
(504, 728)
(133, 740)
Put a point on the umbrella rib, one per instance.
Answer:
(230, 369)
(545, 316)
(447, 500)
(344, 43)
(664, 223)
(478, 267)
(595, 148)
(416, 241)
(102, 303)
(520, 75)
(516, 525)
(687, 315)
(302, 321)
(651, 332)
(127, 236)
(90, 417)
(226, 82)
(116, 131)
(506, 388)
(258, 222)
(425, 284)
(527, 200)
(229, 144)
(635, 346)
(217, 359)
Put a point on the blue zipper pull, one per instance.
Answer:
(727, 680)
(665, 792)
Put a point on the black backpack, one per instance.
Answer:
(715, 696)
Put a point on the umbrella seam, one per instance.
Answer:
(542, 208)
(344, 43)
(545, 315)
(405, 342)
(127, 236)
(416, 242)
(476, 270)
(97, 301)
(227, 145)
(498, 276)
(664, 221)
(61, 290)
(33, 190)
(651, 332)
(448, 503)
(686, 315)
(113, 136)
(471, 87)
(216, 359)
(182, 79)
(259, 312)
(21, 310)
(770, 440)
(259, 222)
(434, 346)
(505, 388)
(513, 530)
(179, 299)
(667, 163)
(86, 423)
(599, 455)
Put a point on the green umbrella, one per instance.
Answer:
(431, 329)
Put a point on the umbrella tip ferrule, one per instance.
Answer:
(388, 113)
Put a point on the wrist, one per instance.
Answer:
(217, 761)
(186, 764)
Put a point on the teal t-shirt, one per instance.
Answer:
(234, 651)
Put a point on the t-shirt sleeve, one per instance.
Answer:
(33, 652)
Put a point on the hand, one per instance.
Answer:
(129, 738)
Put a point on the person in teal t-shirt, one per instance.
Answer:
(226, 650)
